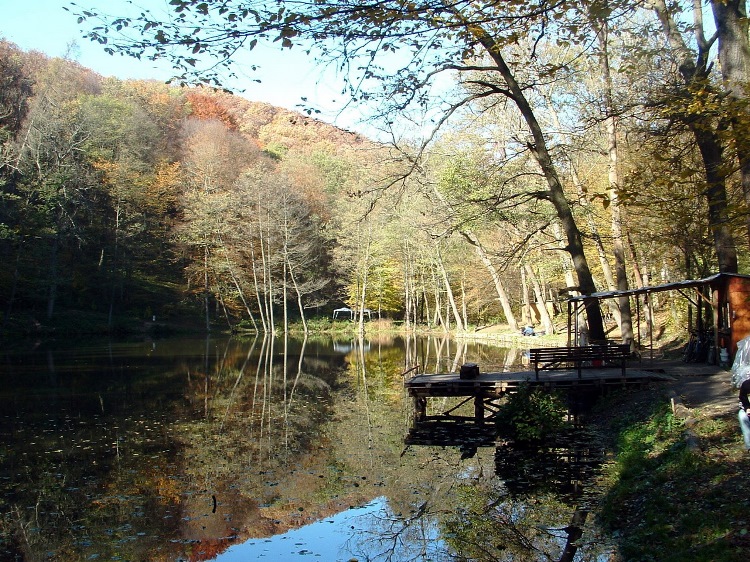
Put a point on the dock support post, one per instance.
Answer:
(479, 409)
(420, 408)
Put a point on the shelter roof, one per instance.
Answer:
(673, 286)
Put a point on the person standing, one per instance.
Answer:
(744, 411)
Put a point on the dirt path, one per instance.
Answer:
(706, 389)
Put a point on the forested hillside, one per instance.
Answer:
(122, 202)
(130, 200)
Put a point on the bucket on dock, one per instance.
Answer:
(469, 371)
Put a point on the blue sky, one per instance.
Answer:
(286, 77)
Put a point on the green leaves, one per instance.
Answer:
(532, 415)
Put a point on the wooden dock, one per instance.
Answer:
(487, 388)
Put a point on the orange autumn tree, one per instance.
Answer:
(205, 106)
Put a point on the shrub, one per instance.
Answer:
(531, 415)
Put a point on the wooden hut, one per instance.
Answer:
(726, 294)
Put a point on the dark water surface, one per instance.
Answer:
(253, 449)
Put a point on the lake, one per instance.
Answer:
(260, 449)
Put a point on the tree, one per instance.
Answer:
(15, 92)
(730, 17)
(212, 152)
(119, 143)
(301, 249)
(693, 104)
(57, 189)
(601, 25)
(438, 37)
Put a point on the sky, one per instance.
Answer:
(286, 77)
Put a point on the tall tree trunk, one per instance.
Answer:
(730, 17)
(363, 291)
(555, 194)
(449, 292)
(408, 285)
(299, 300)
(464, 315)
(704, 128)
(526, 316)
(716, 194)
(53, 278)
(206, 288)
(549, 327)
(637, 273)
(268, 277)
(438, 314)
(472, 238)
(647, 309)
(502, 295)
(221, 302)
(237, 286)
(593, 228)
(284, 291)
(258, 295)
(567, 266)
(625, 317)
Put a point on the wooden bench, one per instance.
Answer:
(578, 358)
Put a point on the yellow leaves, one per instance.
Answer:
(153, 193)
(703, 100)
(167, 176)
(104, 166)
(697, 99)
(164, 187)
(116, 174)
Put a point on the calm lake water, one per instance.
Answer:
(253, 449)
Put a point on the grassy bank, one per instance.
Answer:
(664, 501)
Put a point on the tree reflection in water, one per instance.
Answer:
(532, 507)
(182, 449)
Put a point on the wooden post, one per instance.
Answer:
(479, 409)
(420, 408)
(570, 326)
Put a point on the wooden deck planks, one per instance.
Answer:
(488, 388)
(450, 384)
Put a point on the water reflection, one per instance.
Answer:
(193, 449)
(451, 432)
(562, 466)
(565, 467)
(366, 533)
